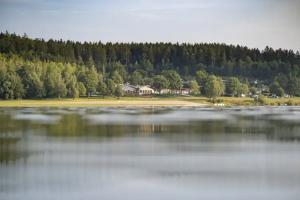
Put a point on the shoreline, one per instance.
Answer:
(99, 103)
(148, 102)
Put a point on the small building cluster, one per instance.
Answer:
(146, 90)
(133, 90)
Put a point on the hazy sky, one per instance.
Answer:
(255, 23)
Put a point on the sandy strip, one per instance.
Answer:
(141, 103)
(112, 103)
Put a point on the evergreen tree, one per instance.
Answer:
(137, 78)
(49, 68)
(293, 86)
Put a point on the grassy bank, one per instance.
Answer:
(233, 101)
(85, 102)
(237, 101)
(148, 101)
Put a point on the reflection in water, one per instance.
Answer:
(110, 153)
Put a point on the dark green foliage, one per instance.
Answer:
(201, 78)
(186, 59)
(276, 89)
(160, 82)
(290, 84)
(53, 69)
(148, 81)
(175, 82)
(137, 78)
(117, 78)
(293, 88)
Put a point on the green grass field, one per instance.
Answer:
(145, 101)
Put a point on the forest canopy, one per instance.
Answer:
(35, 68)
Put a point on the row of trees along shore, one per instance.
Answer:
(35, 68)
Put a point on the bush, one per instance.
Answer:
(213, 100)
(262, 100)
(219, 100)
(290, 102)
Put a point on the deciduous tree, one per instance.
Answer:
(214, 87)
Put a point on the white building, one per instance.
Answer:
(165, 91)
(131, 90)
(145, 90)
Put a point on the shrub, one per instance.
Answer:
(262, 100)
(213, 100)
(290, 102)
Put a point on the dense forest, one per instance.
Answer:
(33, 68)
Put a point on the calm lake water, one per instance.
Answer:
(155, 153)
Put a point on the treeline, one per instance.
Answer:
(54, 69)
(40, 79)
(153, 58)
(20, 78)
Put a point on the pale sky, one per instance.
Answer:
(254, 23)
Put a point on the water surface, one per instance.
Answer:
(153, 153)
